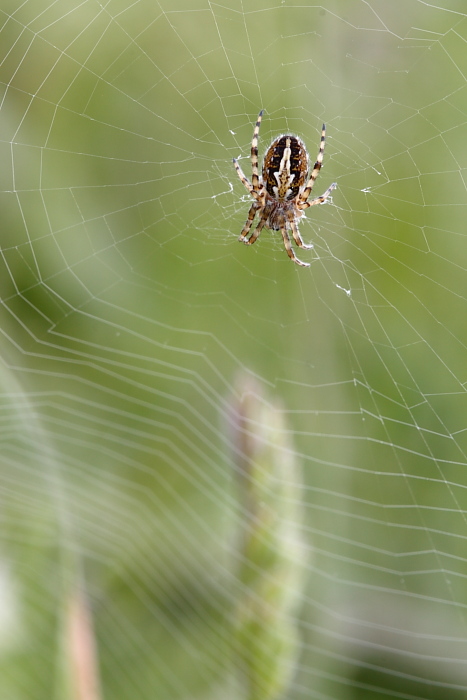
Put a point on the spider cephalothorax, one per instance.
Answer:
(281, 193)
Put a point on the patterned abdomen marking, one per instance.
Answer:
(285, 167)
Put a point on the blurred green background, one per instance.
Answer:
(130, 318)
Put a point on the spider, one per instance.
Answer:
(280, 194)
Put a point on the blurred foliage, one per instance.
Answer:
(272, 553)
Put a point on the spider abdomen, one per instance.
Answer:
(285, 167)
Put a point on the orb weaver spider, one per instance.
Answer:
(281, 193)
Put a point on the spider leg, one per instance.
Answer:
(254, 152)
(242, 177)
(318, 200)
(249, 221)
(295, 232)
(316, 168)
(256, 232)
(288, 247)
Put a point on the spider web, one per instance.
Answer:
(143, 349)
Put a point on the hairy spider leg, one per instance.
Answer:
(318, 200)
(249, 221)
(243, 178)
(288, 247)
(316, 168)
(295, 231)
(256, 232)
(254, 152)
